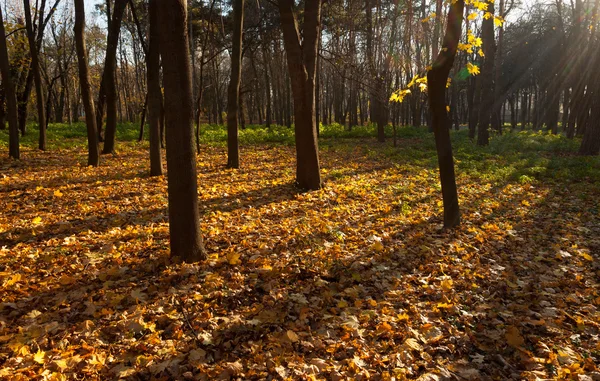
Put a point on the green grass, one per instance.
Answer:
(524, 157)
(64, 135)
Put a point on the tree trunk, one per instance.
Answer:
(487, 78)
(565, 107)
(377, 104)
(2, 110)
(143, 119)
(109, 76)
(267, 87)
(100, 106)
(37, 75)
(184, 219)
(11, 97)
(84, 84)
(590, 143)
(301, 59)
(474, 101)
(23, 101)
(155, 100)
(441, 123)
(233, 93)
(499, 96)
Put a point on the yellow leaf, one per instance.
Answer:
(37, 220)
(39, 356)
(587, 256)
(473, 69)
(446, 284)
(58, 193)
(292, 336)
(447, 108)
(513, 337)
(233, 258)
(13, 279)
(55, 376)
(377, 246)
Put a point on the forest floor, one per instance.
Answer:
(355, 281)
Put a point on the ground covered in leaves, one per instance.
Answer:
(356, 281)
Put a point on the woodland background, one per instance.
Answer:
(364, 276)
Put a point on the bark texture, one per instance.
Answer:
(84, 84)
(440, 121)
(109, 76)
(301, 60)
(155, 100)
(10, 93)
(233, 95)
(184, 219)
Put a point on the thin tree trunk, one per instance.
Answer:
(233, 94)
(143, 119)
(487, 78)
(35, 66)
(23, 100)
(11, 97)
(155, 100)
(84, 84)
(441, 123)
(109, 76)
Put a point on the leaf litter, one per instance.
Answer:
(356, 281)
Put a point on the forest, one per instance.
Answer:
(300, 190)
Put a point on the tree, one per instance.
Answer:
(35, 67)
(233, 95)
(108, 78)
(377, 103)
(487, 78)
(155, 100)
(590, 143)
(184, 220)
(11, 97)
(437, 78)
(301, 59)
(84, 84)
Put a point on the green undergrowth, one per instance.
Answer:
(525, 157)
